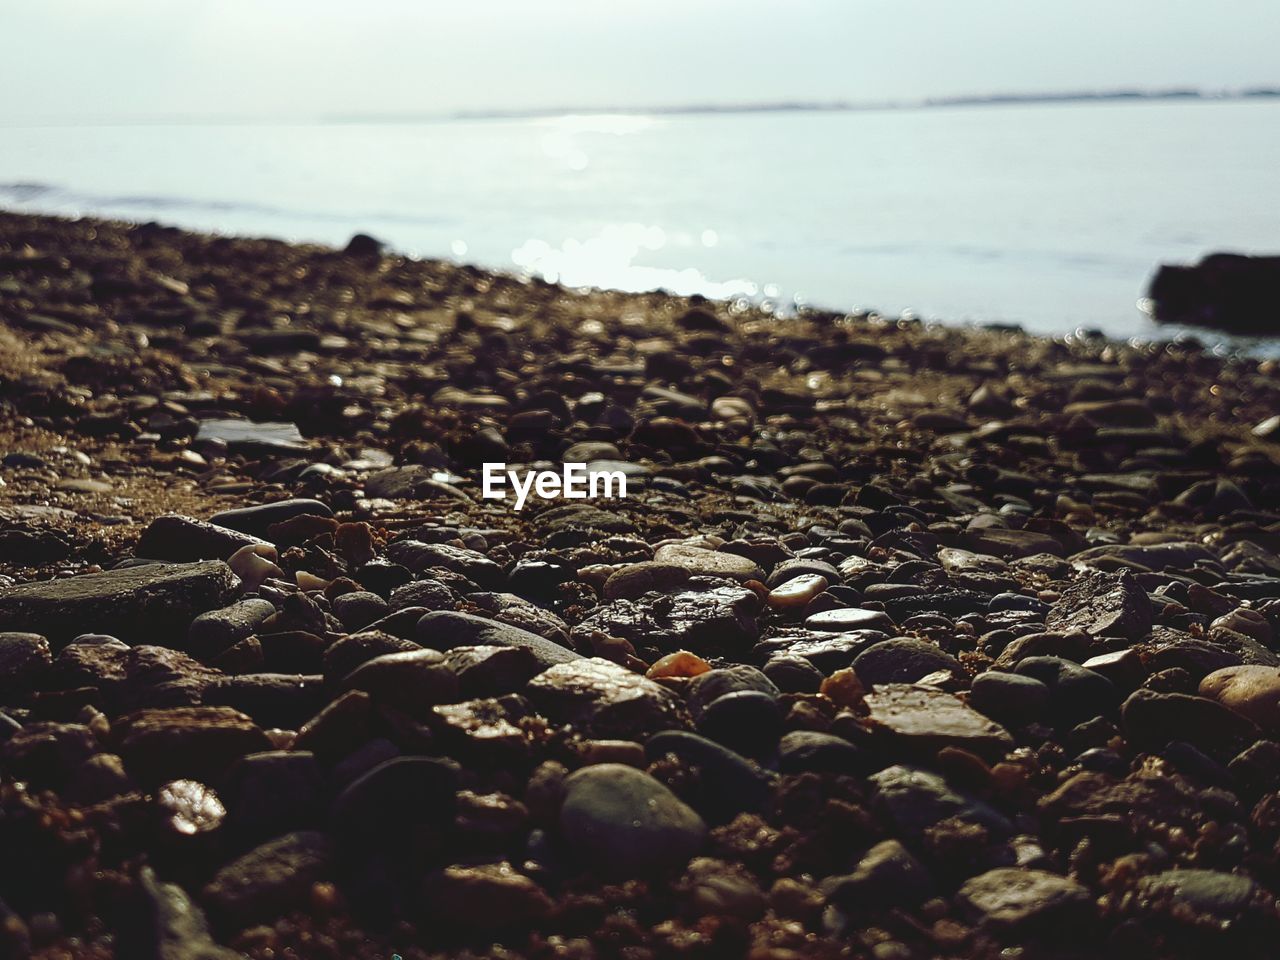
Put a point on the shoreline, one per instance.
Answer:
(905, 636)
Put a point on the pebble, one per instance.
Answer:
(1009, 698)
(915, 799)
(1014, 899)
(797, 592)
(387, 803)
(24, 658)
(747, 721)
(270, 879)
(923, 720)
(257, 520)
(1251, 691)
(902, 660)
(636, 579)
(848, 620)
(888, 875)
(626, 824)
(485, 896)
(193, 743)
(446, 629)
(175, 537)
(215, 630)
(729, 783)
(810, 751)
(700, 561)
(1075, 693)
(1103, 605)
(604, 699)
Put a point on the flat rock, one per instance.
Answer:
(174, 537)
(847, 620)
(410, 681)
(254, 439)
(636, 579)
(412, 482)
(1151, 720)
(925, 719)
(154, 601)
(196, 743)
(902, 660)
(604, 699)
(1103, 605)
(1012, 898)
(131, 678)
(269, 880)
(472, 564)
(626, 824)
(1212, 893)
(703, 621)
(709, 563)
(915, 799)
(1007, 543)
(257, 519)
(446, 629)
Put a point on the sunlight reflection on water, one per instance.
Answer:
(609, 260)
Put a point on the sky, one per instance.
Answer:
(75, 61)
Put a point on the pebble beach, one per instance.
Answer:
(906, 641)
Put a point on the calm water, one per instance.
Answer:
(1049, 216)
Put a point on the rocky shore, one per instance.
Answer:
(906, 642)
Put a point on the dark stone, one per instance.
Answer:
(1104, 605)
(1008, 697)
(747, 721)
(393, 799)
(177, 538)
(626, 824)
(1076, 694)
(809, 751)
(257, 519)
(902, 660)
(728, 784)
(154, 601)
(604, 699)
(1151, 720)
(1224, 291)
(446, 629)
(269, 880)
(888, 875)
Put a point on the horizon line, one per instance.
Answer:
(1254, 92)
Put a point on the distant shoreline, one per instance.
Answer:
(1258, 93)
(833, 106)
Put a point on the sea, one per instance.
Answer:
(1051, 217)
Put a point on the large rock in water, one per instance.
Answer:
(1104, 605)
(1224, 291)
(153, 601)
